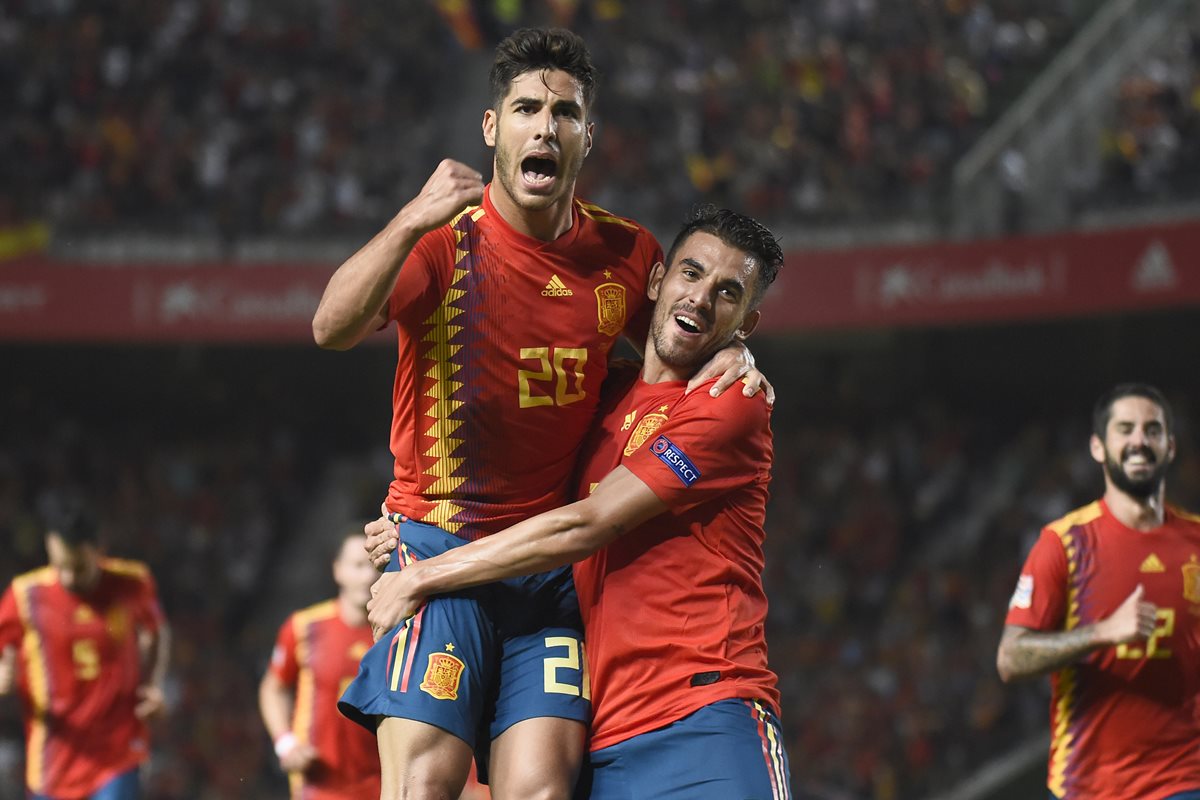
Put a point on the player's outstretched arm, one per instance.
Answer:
(353, 303)
(620, 503)
(734, 363)
(1026, 653)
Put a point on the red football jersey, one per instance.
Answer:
(674, 610)
(1123, 720)
(503, 345)
(79, 672)
(317, 654)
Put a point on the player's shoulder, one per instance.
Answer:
(1185, 516)
(126, 568)
(612, 228)
(1084, 515)
(732, 400)
(41, 576)
(317, 612)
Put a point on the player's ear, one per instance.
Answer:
(656, 278)
(489, 128)
(1097, 449)
(748, 325)
(587, 139)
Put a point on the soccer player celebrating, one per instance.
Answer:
(508, 299)
(85, 645)
(1107, 605)
(669, 541)
(326, 756)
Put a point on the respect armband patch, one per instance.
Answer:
(674, 458)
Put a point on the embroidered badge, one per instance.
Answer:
(442, 676)
(1191, 582)
(610, 308)
(644, 430)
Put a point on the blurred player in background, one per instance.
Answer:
(1108, 605)
(508, 299)
(85, 644)
(669, 541)
(316, 654)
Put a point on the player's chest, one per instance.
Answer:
(516, 292)
(334, 657)
(89, 634)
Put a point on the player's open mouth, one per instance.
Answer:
(687, 324)
(539, 171)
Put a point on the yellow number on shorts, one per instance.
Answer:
(572, 661)
(86, 658)
(1164, 627)
(568, 387)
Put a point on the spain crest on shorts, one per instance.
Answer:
(644, 430)
(1191, 581)
(610, 308)
(442, 676)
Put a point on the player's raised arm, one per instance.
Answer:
(354, 299)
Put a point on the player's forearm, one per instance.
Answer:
(358, 290)
(162, 655)
(275, 705)
(1028, 654)
(549, 540)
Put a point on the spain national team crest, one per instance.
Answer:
(1191, 581)
(610, 308)
(644, 430)
(442, 676)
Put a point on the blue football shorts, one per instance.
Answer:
(728, 750)
(476, 662)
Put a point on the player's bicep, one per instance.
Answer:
(620, 502)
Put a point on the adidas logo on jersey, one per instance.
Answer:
(1152, 564)
(556, 288)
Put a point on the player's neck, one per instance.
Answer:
(353, 614)
(655, 370)
(1136, 513)
(546, 224)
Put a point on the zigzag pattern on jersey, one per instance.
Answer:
(441, 418)
(1062, 744)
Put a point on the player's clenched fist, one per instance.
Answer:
(452, 187)
(1133, 620)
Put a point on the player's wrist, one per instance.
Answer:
(285, 743)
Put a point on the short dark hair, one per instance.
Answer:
(542, 48)
(1102, 411)
(75, 527)
(740, 231)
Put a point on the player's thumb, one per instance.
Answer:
(1138, 593)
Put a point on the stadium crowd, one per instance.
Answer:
(238, 118)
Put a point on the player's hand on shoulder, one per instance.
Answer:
(733, 363)
(452, 187)
(1134, 620)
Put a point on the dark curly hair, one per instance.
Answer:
(736, 230)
